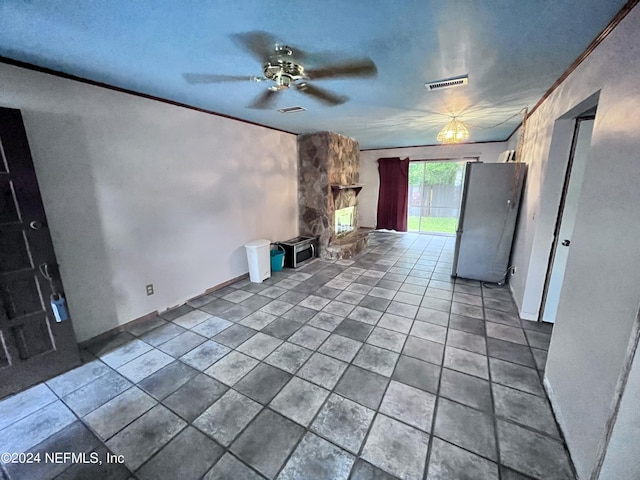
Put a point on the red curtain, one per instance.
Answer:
(394, 193)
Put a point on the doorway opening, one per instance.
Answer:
(567, 211)
(435, 194)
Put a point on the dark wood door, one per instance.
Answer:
(33, 346)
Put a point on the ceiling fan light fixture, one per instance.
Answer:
(453, 132)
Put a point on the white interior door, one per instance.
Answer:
(582, 144)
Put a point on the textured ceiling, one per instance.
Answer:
(512, 50)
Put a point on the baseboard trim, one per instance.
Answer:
(121, 328)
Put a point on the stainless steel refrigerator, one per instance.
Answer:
(487, 223)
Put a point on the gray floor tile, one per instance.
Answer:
(263, 383)
(237, 296)
(61, 385)
(429, 331)
(375, 303)
(515, 376)
(344, 422)
(340, 347)
(436, 304)
(267, 442)
(236, 312)
(424, 350)
(174, 313)
(277, 307)
(94, 394)
(255, 302)
(354, 329)
(145, 365)
(29, 431)
(230, 468)
(195, 396)
(538, 340)
(234, 336)
(299, 401)
(117, 413)
(341, 309)
(226, 418)
(409, 405)
(396, 448)
(309, 337)
(449, 462)
(467, 341)
(162, 334)
(217, 307)
(188, 456)
(502, 305)
(416, 373)
(181, 344)
(103, 346)
(407, 299)
(322, 370)
(532, 453)
(317, 458)
(359, 288)
(260, 345)
(300, 314)
(466, 362)
(402, 309)
(540, 357)
(231, 368)
(382, 337)
(505, 332)
(467, 324)
(376, 359)
(465, 427)
(202, 300)
(466, 389)
(140, 328)
(350, 297)
(273, 292)
(511, 352)
(365, 315)
(258, 320)
(524, 408)
(430, 315)
(314, 302)
(362, 386)
(325, 321)
(502, 317)
(289, 357)
(212, 326)
(282, 328)
(191, 319)
(381, 292)
(167, 380)
(441, 294)
(395, 323)
(146, 436)
(205, 355)
(125, 353)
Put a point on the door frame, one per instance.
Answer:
(589, 115)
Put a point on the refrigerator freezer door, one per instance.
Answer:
(488, 220)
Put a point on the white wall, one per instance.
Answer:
(600, 294)
(137, 191)
(368, 198)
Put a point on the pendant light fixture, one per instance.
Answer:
(454, 132)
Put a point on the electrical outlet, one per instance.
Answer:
(150, 289)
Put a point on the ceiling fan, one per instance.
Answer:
(282, 66)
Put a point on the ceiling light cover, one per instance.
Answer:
(454, 132)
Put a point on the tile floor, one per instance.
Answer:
(378, 367)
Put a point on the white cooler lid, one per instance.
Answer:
(258, 243)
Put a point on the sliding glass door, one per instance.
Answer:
(435, 193)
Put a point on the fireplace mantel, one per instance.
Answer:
(336, 189)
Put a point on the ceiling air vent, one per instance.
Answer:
(291, 109)
(448, 83)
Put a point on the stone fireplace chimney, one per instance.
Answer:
(328, 174)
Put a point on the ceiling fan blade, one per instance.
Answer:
(265, 100)
(214, 78)
(363, 67)
(325, 96)
(260, 44)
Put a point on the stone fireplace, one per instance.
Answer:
(328, 174)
